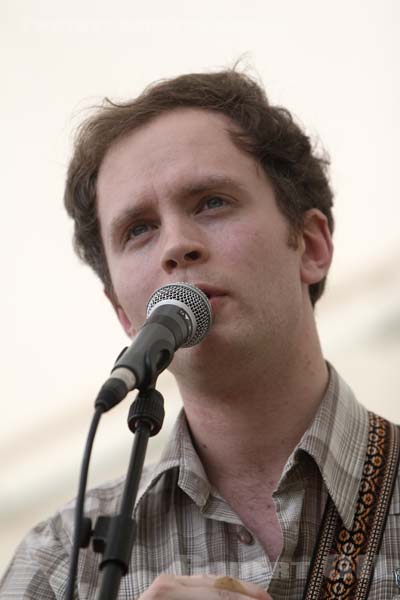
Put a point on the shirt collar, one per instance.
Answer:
(180, 454)
(337, 441)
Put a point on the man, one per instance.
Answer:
(201, 180)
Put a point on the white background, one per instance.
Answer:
(334, 64)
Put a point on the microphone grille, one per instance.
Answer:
(193, 298)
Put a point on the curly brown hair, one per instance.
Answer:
(268, 133)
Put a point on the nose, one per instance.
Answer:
(183, 248)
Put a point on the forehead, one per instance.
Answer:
(181, 139)
(181, 126)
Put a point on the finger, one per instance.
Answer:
(241, 587)
(224, 583)
(202, 587)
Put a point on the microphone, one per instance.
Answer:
(178, 316)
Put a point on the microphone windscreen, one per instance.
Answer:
(193, 298)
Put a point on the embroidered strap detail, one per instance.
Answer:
(343, 562)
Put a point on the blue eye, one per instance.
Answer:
(137, 230)
(214, 202)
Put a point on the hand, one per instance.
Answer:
(202, 587)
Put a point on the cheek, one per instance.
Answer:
(245, 247)
(263, 255)
(133, 285)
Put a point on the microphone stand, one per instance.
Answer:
(178, 315)
(114, 536)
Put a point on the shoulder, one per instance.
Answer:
(40, 565)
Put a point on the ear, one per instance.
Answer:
(121, 314)
(316, 247)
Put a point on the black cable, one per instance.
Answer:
(80, 502)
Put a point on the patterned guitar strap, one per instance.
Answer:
(343, 562)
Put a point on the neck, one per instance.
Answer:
(252, 424)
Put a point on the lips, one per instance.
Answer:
(210, 291)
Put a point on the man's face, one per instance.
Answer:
(178, 201)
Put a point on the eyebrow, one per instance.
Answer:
(206, 183)
(189, 189)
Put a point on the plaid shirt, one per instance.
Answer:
(184, 527)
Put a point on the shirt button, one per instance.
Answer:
(245, 536)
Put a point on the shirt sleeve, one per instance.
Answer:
(39, 568)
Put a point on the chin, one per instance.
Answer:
(215, 350)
